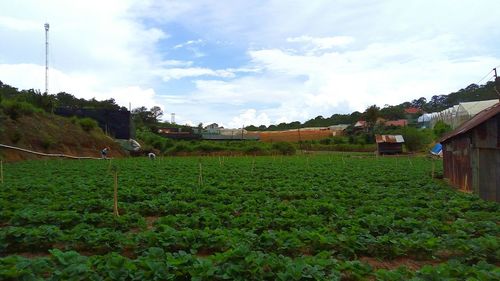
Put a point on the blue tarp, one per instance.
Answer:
(437, 149)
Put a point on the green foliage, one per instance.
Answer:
(155, 141)
(417, 139)
(16, 109)
(46, 140)
(440, 129)
(284, 148)
(87, 124)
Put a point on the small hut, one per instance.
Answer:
(471, 154)
(389, 144)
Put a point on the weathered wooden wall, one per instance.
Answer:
(472, 160)
(457, 162)
(486, 159)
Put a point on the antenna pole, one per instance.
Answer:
(46, 25)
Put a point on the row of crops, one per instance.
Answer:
(312, 217)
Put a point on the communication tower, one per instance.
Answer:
(46, 25)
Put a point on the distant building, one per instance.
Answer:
(361, 124)
(389, 144)
(413, 110)
(338, 130)
(397, 123)
(471, 154)
(178, 134)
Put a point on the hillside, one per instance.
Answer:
(49, 133)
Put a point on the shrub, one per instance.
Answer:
(415, 139)
(254, 149)
(284, 148)
(87, 124)
(16, 109)
(208, 147)
(441, 128)
(158, 142)
(181, 147)
(47, 141)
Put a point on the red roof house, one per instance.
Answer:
(397, 123)
(412, 110)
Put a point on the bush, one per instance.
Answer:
(208, 147)
(47, 141)
(284, 148)
(158, 142)
(254, 150)
(180, 147)
(16, 109)
(440, 129)
(87, 124)
(415, 139)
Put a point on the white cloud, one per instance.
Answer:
(187, 43)
(298, 86)
(249, 116)
(177, 63)
(18, 24)
(322, 43)
(179, 73)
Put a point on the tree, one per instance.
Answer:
(156, 113)
(371, 114)
(419, 103)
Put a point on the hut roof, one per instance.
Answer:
(389, 139)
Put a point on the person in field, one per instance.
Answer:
(152, 156)
(104, 153)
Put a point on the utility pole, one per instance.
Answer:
(497, 82)
(46, 25)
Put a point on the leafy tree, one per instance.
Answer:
(371, 114)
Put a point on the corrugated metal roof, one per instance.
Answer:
(389, 138)
(475, 121)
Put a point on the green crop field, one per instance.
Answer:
(317, 217)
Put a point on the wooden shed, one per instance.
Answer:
(389, 144)
(471, 154)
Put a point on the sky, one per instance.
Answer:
(240, 62)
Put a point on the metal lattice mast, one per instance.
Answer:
(46, 25)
